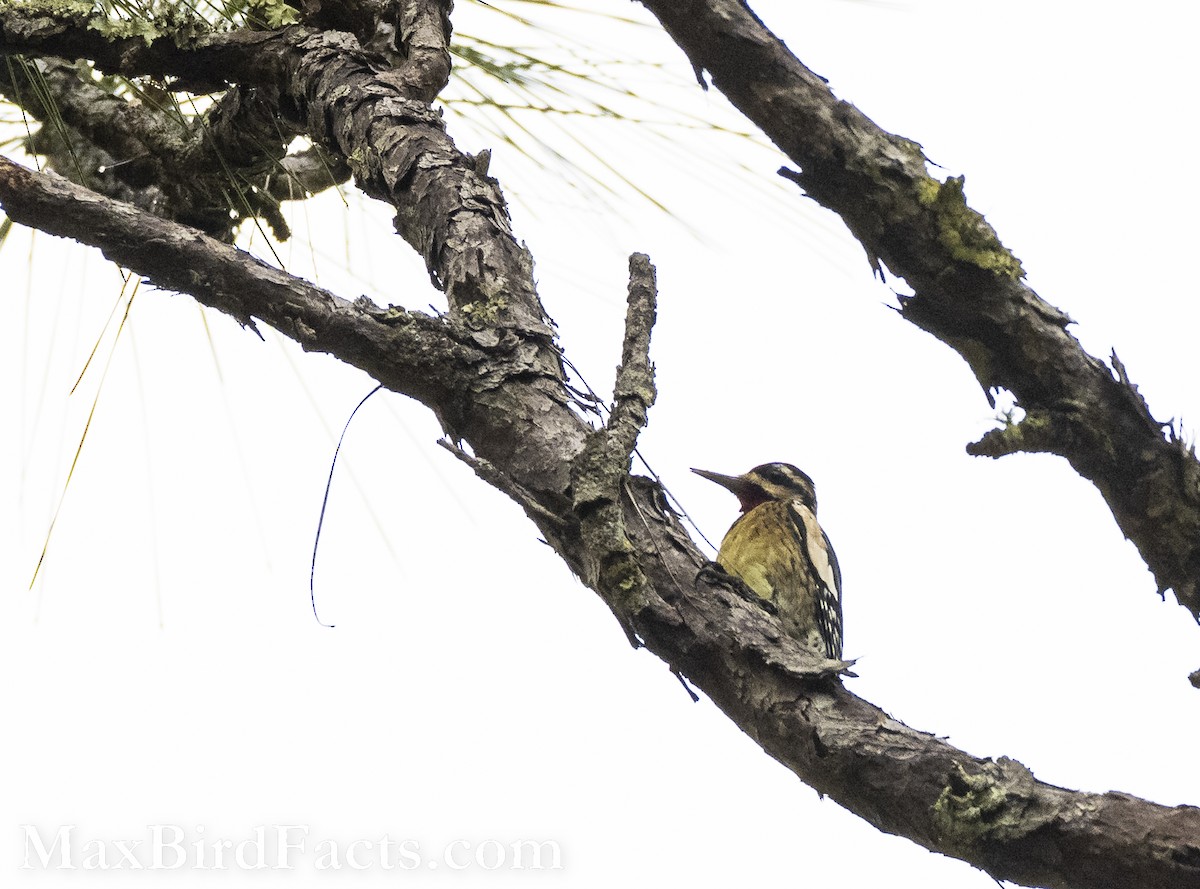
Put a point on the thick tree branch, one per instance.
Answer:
(407, 351)
(452, 215)
(413, 35)
(969, 289)
(994, 815)
(423, 38)
(195, 63)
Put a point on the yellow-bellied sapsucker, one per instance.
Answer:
(780, 552)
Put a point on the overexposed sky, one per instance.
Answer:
(166, 669)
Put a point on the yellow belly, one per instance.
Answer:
(764, 548)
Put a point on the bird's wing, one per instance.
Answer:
(836, 607)
(828, 595)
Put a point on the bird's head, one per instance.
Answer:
(771, 481)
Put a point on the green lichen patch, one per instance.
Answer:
(968, 807)
(987, 805)
(484, 313)
(964, 232)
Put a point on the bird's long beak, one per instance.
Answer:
(733, 483)
(749, 494)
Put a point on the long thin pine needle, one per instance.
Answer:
(82, 438)
(312, 573)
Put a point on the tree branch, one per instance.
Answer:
(599, 472)
(407, 351)
(423, 38)
(969, 289)
(634, 391)
(492, 376)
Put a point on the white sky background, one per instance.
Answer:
(166, 668)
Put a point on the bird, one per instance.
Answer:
(780, 552)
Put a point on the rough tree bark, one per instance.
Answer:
(358, 78)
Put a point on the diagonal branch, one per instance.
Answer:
(416, 354)
(969, 289)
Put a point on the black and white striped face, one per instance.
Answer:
(783, 481)
(770, 481)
